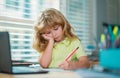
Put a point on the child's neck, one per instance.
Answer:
(60, 40)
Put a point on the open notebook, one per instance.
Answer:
(6, 63)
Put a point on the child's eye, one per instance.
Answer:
(56, 28)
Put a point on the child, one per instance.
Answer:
(54, 39)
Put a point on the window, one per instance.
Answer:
(16, 20)
(80, 14)
(27, 9)
(14, 4)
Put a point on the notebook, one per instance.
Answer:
(6, 64)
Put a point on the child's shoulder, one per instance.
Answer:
(75, 40)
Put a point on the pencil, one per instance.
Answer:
(71, 54)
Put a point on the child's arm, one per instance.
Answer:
(45, 59)
(82, 63)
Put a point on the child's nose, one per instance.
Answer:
(54, 34)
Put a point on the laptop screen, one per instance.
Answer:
(6, 61)
(5, 55)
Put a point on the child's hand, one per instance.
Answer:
(46, 37)
(65, 65)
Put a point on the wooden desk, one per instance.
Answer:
(65, 74)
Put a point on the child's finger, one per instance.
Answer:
(64, 64)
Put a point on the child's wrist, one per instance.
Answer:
(51, 41)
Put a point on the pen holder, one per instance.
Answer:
(110, 58)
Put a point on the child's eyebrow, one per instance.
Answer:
(56, 26)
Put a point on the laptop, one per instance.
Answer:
(6, 63)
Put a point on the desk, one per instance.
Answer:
(80, 73)
(63, 74)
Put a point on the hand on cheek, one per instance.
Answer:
(47, 37)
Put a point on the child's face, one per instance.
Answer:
(56, 33)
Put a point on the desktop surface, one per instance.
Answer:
(58, 73)
(63, 74)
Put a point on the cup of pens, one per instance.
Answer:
(109, 53)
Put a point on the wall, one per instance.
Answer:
(107, 11)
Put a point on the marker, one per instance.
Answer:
(71, 54)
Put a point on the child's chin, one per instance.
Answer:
(57, 40)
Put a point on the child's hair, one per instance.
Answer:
(48, 19)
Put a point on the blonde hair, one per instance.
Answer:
(50, 18)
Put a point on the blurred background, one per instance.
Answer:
(86, 17)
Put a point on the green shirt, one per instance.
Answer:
(62, 49)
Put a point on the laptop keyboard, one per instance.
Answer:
(26, 69)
